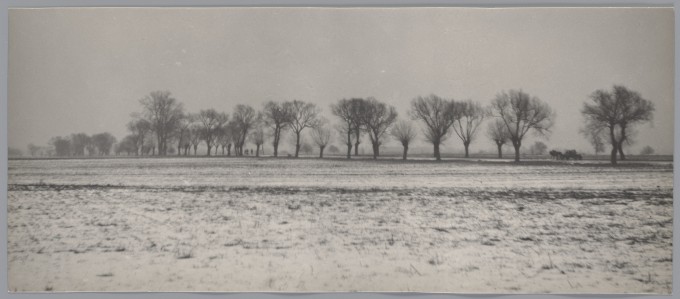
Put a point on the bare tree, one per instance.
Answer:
(277, 116)
(224, 138)
(358, 117)
(258, 135)
(211, 123)
(244, 119)
(186, 140)
(164, 113)
(321, 135)
(343, 110)
(522, 113)
(596, 135)
(103, 142)
(139, 128)
(127, 145)
(183, 132)
(634, 110)
(617, 111)
(438, 116)
(498, 132)
(90, 147)
(79, 142)
(150, 145)
(233, 132)
(304, 116)
(404, 132)
(377, 119)
(196, 130)
(62, 146)
(33, 149)
(469, 115)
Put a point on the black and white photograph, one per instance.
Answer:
(523, 150)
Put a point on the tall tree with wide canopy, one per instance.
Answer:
(79, 142)
(378, 117)
(438, 115)
(139, 129)
(304, 116)
(103, 142)
(522, 113)
(278, 117)
(617, 111)
(211, 122)
(164, 113)
(344, 111)
(183, 133)
(244, 120)
(359, 108)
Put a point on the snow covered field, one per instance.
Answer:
(246, 224)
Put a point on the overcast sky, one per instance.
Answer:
(84, 70)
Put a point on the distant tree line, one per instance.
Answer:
(79, 145)
(163, 127)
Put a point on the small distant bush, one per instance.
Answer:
(647, 150)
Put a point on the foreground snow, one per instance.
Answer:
(285, 225)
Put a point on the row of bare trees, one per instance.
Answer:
(516, 113)
(163, 120)
(610, 115)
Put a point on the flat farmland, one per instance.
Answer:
(247, 224)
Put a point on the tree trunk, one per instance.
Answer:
(467, 146)
(405, 151)
(277, 135)
(376, 150)
(500, 151)
(297, 144)
(321, 147)
(349, 144)
(195, 149)
(257, 153)
(516, 145)
(613, 155)
(620, 143)
(209, 149)
(229, 150)
(356, 143)
(437, 156)
(614, 143)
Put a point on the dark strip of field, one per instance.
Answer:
(540, 195)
